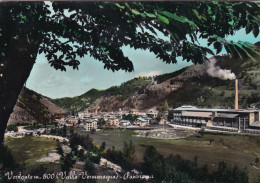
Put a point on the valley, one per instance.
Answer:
(140, 113)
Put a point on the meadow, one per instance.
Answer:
(27, 150)
(233, 148)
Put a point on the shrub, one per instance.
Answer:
(12, 128)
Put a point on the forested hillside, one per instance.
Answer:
(192, 85)
(81, 102)
(32, 107)
(124, 90)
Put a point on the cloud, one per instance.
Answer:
(148, 74)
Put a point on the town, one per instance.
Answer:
(191, 117)
(233, 120)
(163, 92)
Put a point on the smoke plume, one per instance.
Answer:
(216, 71)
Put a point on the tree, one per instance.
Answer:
(154, 163)
(129, 154)
(103, 146)
(228, 174)
(66, 162)
(101, 121)
(130, 117)
(89, 166)
(256, 161)
(64, 131)
(211, 140)
(12, 128)
(65, 31)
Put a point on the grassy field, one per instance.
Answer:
(235, 149)
(28, 149)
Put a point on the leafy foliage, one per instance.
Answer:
(91, 28)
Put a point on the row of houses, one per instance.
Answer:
(92, 121)
(115, 119)
(92, 124)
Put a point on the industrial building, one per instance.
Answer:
(219, 119)
(241, 120)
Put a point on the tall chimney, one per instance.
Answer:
(236, 94)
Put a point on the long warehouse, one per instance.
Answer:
(228, 119)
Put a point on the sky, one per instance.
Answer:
(91, 74)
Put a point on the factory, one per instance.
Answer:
(219, 119)
(239, 120)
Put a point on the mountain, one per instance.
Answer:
(151, 96)
(32, 107)
(80, 102)
(121, 92)
(207, 85)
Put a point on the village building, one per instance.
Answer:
(133, 111)
(72, 121)
(152, 114)
(62, 123)
(125, 123)
(113, 122)
(141, 122)
(136, 112)
(59, 117)
(83, 115)
(90, 124)
(148, 119)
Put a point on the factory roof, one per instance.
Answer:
(194, 108)
(197, 114)
(203, 114)
(223, 115)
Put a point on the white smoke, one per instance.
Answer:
(216, 71)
